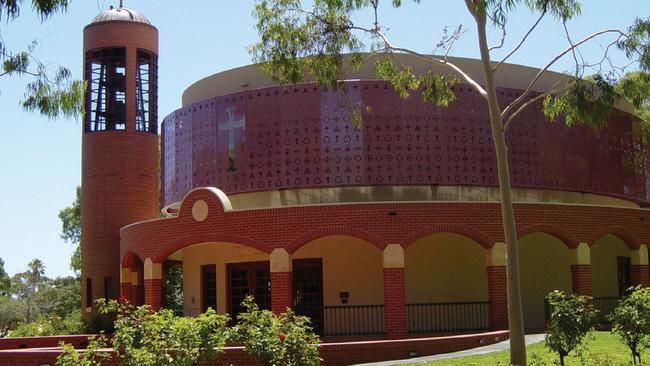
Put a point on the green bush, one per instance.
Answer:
(143, 337)
(285, 339)
(91, 356)
(51, 325)
(631, 321)
(572, 317)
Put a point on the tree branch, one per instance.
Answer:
(530, 31)
(519, 99)
(456, 69)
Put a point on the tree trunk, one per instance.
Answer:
(515, 318)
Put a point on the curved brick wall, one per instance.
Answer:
(302, 137)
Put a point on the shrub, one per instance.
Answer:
(48, 326)
(143, 337)
(284, 339)
(91, 356)
(572, 317)
(631, 321)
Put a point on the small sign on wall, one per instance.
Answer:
(344, 296)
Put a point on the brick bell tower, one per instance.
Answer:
(120, 143)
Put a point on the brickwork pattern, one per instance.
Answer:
(498, 295)
(282, 294)
(395, 303)
(153, 293)
(640, 275)
(581, 279)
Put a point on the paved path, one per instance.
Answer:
(530, 339)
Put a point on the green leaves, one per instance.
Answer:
(631, 321)
(572, 317)
(582, 101)
(636, 44)
(284, 339)
(437, 89)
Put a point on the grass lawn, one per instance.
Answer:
(603, 349)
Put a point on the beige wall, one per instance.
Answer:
(603, 265)
(445, 267)
(545, 265)
(218, 254)
(349, 265)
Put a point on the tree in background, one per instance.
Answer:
(174, 289)
(71, 229)
(5, 281)
(51, 94)
(36, 305)
(299, 42)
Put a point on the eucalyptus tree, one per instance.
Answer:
(50, 93)
(308, 42)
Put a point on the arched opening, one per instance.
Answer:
(137, 281)
(610, 272)
(446, 284)
(219, 275)
(544, 266)
(338, 282)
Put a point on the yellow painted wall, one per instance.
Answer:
(445, 267)
(218, 254)
(349, 265)
(603, 265)
(545, 265)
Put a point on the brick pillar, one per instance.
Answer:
(497, 285)
(153, 295)
(581, 279)
(153, 284)
(394, 292)
(281, 281)
(639, 259)
(581, 270)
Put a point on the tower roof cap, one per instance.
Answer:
(120, 14)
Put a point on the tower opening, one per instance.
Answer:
(106, 93)
(146, 92)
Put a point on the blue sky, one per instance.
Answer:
(40, 159)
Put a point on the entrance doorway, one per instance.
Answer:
(252, 278)
(624, 274)
(308, 290)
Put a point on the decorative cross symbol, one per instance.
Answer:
(231, 125)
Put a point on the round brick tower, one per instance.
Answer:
(120, 143)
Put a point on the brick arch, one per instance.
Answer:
(129, 260)
(307, 237)
(218, 202)
(620, 232)
(467, 231)
(566, 237)
(186, 241)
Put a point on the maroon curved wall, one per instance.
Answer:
(302, 137)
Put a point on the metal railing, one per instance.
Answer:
(448, 316)
(605, 306)
(353, 320)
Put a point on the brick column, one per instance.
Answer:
(497, 285)
(281, 281)
(153, 284)
(394, 292)
(639, 259)
(581, 270)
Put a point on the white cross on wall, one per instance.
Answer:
(231, 125)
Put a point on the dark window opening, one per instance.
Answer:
(308, 290)
(109, 294)
(624, 274)
(209, 290)
(106, 90)
(146, 108)
(89, 292)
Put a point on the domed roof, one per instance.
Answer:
(121, 14)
